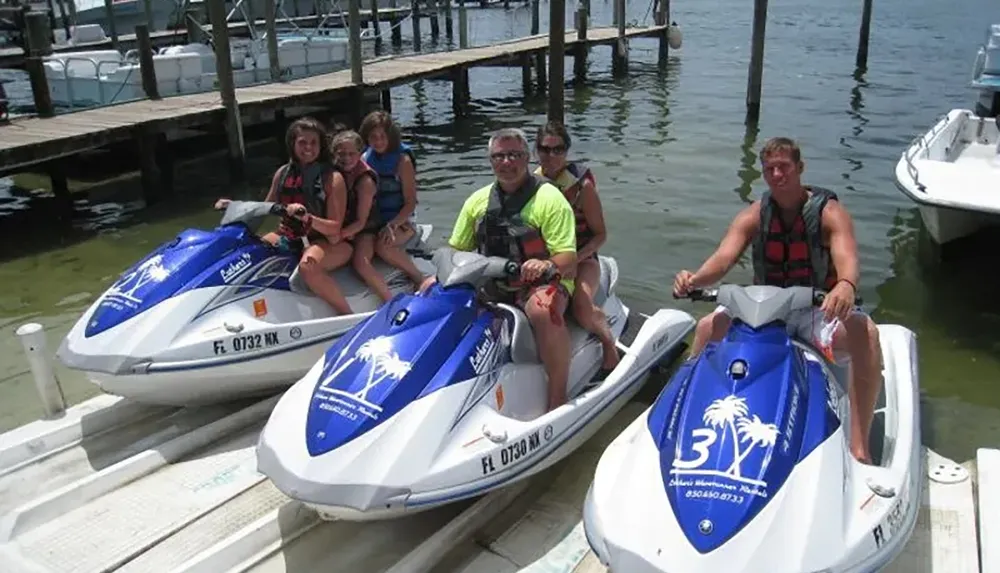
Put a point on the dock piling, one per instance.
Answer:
(463, 25)
(663, 19)
(376, 26)
(619, 55)
(415, 19)
(32, 337)
(156, 171)
(354, 39)
(109, 18)
(227, 88)
(525, 60)
(385, 100)
(540, 72)
(449, 25)
(272, 41)
(37, 45)
(580, 59)
(755, 79)
(557, 59)
(146, 66)
(432, 7)
(460, 90)
(866, 22)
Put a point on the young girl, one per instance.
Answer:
(313, 194)
(396, 198)
(580, 189)
(361, 219)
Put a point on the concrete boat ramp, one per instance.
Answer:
(116, 486)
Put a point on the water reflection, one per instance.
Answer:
(748, 172)
(621, 108)
(855, 112)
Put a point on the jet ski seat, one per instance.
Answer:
(523, 348)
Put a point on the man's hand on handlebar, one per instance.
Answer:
(534, 269)
(683, 284)
(222, 204)
(838, 302)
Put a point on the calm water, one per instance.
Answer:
(675, 163)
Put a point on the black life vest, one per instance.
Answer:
(305, 187)
(793, 256)
(570, 181)
(503, 232)
(352, 179)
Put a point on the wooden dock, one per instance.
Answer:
(34, 140)
(14, 57)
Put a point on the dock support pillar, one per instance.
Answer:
(435, 23)
(526, 74)
(619, 55)
(227, 89)
(580, 59)
(449, 24)
(385, 98)
(109, 19)
(415, 19)
(463, 25)
(756, 72)
(280, 125)
(376, 27)
(155, 168)
(60, 188)
(37, 36)
(557, 59)
(460, 91)
(535, 17)
(354, 39)
(866, 25)
(146, 66)
(663, 19)
(272, 41)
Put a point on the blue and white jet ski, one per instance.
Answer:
(441, 396)
(742, 463)
(215, 315)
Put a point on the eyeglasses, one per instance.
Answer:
(507, 156)
(554, 150)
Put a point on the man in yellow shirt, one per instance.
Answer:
(524, 218)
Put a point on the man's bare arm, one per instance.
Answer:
(843, 245)
(739, 235)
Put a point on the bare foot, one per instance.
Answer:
(861, 454)
(611, 358)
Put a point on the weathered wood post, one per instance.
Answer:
(432, 7)
(52, 20)
(415, 19)
(663, 19)
(147, 7)
(540, 72)
(109, 16)
(376, 26)
(395, 28)
(272, 41)
(192, 23)
(619, 56)
(146, 65)
(580, 61)
(354, 40)
(463, 25)
(227, 89)
(64, 16)
(460, 90)
(525, 60)
(866, 22)
(385, 99)
(38, 44)
(557, 59)
(449, 25)
(755, 80)
(155, 168)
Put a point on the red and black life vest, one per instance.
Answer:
(785, 256)
(352, 179)
(503, 232)
(570, 181)
(305, 187)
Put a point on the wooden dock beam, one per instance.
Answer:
(557, 59)
(354, 39)
(460, 93)
(619, 54)
(861, 62)
(37, 41)
(580, 59)
(663, 19)
(227, 89)
(146, 66)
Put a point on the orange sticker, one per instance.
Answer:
(499, 397)
(259, 307)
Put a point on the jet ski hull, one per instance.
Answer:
(463, 439)
(714, 505)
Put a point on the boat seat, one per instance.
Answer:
(523, 348)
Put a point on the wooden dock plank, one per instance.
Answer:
(31, 139)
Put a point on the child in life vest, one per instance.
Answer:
(314, 196)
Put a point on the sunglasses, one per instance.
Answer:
(507, 156)
(554, 150)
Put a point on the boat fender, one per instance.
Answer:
(674, 36)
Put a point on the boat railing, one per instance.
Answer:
(98, 66)
(920, 143)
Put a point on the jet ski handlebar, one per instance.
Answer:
(712, 294)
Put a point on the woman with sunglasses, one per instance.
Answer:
(579, 186)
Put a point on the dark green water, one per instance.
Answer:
(675, 162)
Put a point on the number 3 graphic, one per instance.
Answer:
(700, 447)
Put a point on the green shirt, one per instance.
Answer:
(548, 211)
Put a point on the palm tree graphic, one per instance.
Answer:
(756, 432)
(150, 270)
(722, 414)
(385, 364)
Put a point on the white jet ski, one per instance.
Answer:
(215, 315)
(742, 463)
(441, 396)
